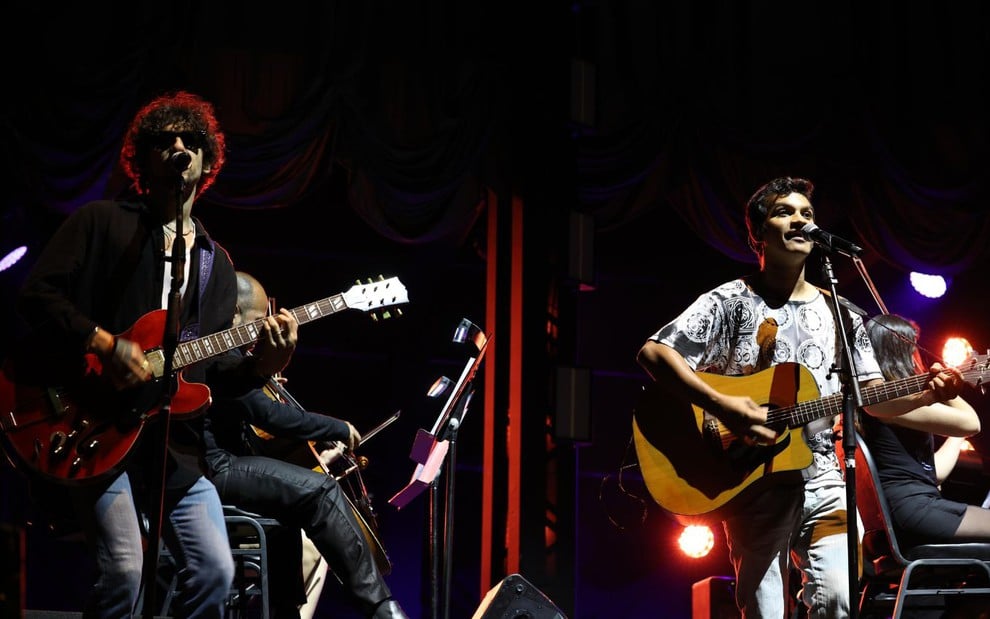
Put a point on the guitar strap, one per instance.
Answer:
(191, 331)
(846, 318)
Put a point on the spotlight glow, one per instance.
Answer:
(931, 286)
(12, 257)
(696, 540)
(956, 350)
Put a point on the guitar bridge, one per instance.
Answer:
(59, 408)
(711, 434)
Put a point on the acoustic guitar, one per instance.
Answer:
(84, 430)
(697, 470)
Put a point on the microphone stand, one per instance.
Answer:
(441, 516)
(170, 341)
(852, 399)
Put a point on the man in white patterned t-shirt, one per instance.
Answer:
(745, 326)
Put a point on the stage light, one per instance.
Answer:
(931, 286)
(11, 257)
(696, 540)
(956, 350)
(16, 237)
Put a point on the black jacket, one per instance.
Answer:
(105, 266)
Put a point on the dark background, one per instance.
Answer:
(371, 139)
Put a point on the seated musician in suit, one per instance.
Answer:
(297, 496)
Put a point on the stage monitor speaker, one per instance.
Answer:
(714, 598)
(514, 598)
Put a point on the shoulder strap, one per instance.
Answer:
(191, 331)
(846, 318)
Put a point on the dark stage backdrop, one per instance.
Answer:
(365, 139)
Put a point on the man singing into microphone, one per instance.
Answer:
(745, 326)
(108, 267)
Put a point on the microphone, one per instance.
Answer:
(830, 242)
(180, 160)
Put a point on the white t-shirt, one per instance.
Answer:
(720, 333)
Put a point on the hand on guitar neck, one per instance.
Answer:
(82, 428)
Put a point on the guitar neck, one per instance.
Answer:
(806, 412)
(208, 346)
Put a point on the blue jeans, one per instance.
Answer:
(193, 529)
(799, 524)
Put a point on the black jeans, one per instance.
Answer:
(314, 502)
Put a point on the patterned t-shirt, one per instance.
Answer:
(731, 330)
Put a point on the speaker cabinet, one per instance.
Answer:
(581, 251)
(515, 597)
(714, 598)
(573, 404)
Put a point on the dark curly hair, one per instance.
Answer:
(182, 111)
(764, 198)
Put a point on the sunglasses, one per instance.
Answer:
(162, 140)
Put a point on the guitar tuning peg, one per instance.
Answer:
(374, 316)
(386, 315)
(358, 282)
(381, 277)
(398, 311)
(370, 281)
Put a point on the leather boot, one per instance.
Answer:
(339, 538)
(389, 609)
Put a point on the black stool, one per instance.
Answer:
(248, 596)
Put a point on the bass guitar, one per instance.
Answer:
(697, 470)
(84, 430)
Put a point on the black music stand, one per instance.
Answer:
(431, 450)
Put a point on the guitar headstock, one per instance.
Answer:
(375, 295)
(976, 371)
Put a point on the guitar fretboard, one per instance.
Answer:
(208, 346)
(806, 412)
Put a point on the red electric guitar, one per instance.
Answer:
(83, 430)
